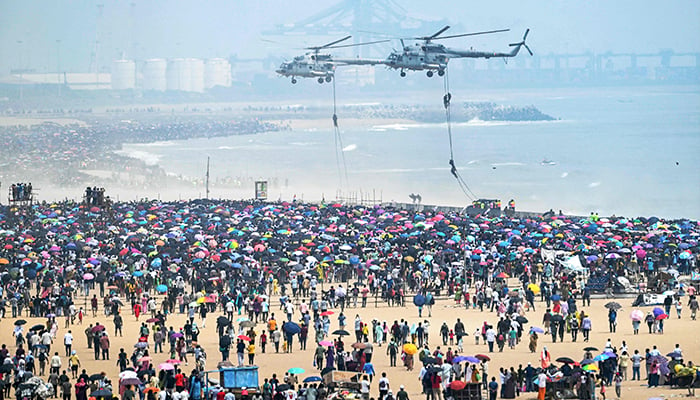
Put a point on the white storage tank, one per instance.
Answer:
(217, 72)
(179, 75)
(123, 74)
(196, 75)
(154, 74)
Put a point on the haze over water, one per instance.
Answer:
(623, 151)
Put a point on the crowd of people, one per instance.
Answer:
(21, 191)
(155, 260)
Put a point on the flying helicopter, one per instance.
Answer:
(433, 57)
(313, 64)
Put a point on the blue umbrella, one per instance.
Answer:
(312, 379)
(536, 329)
(419, 300)
(137, 273)
(658, 311)
(161, 288)
(555, 297)
(291, 327)
(459, 359)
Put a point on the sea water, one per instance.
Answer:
(625, 150)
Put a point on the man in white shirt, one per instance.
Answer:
(490, 338)
(364, 387)
(541, 385)
(68, 342)
(383, 386)
(46, 340)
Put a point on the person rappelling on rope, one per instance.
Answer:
(446, 99)
(335, 120)
(453, 168)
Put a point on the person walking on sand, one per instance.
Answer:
(545, 358)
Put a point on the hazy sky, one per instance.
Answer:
(29, 30)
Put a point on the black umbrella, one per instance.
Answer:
(223, 321)
(37, 327)
(613, 305)
(586, 362)
(96, 377)
(340, 332)
(5, 368)
(101, 393)
(430, 360)
(20, 322)
(521, 320)
(590, 348)
(283, 387)
(565, 360)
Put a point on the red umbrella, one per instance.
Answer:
(244, 337)
(661, 316)
(172, 361)
(98, 328)
(152, 320)
(483, 357)
(325, 313)
(502, 275)
(457, 385)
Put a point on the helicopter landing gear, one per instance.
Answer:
(430, 74)
(403, 74)
(328, 79)
(441, 72)
(320, 80)
(294, 81)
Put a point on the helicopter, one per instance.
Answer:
(313, 64)
(433, 57)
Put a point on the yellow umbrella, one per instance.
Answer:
(590, 367)
(535, 289)
(409, 259)
(201, 300)
(410, 348)
(4, 261)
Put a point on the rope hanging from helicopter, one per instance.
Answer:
(446, 99)
(339, 144)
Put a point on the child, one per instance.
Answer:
(460, 343)
(602, 389)
(80, 316)
(618, 384)
(477, 334)
(452, 337)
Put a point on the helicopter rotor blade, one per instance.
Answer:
(472, 34)
(357, 44)
(522, 43)
(436, 34)
(330, 44)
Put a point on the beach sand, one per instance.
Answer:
(683, 331)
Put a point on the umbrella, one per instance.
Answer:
(674, 354)
(658, 311)
(161, 288)
(590, 367)
(536, 329)
(457, 385)
(5, 368)
(565, 360)
(141, 345)
(340, 332)
(637, 315)
(419, 300)
(131, 381)
(247, 324)
(359, 345)
(325, 343)
(555, 297)
(410, 348)
(326, 313)
(151, 389)
(661, 316)
(145, 358)
(20, 322)
(244, 337)
(96, 377)
(587, 361)
(312, 379)
(153, 320)
(166, 366)
(37, 327)
(521, 320)
(590, 348)
(613, 305)
(296, 370)
(471, 359)
(97, 328)
(459, 359)
(283, 387)
(172, 361)
(430, 360)
(483, 357)
(291, 328)
(101, 393)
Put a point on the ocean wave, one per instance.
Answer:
(350, 147)
(507, 164)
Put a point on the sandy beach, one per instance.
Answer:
(679, 331)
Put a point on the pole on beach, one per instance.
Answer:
(207, 180)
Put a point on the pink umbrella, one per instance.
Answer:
(325, 343)
(637, 315)
(166, 366)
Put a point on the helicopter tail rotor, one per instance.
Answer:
(522, 43)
